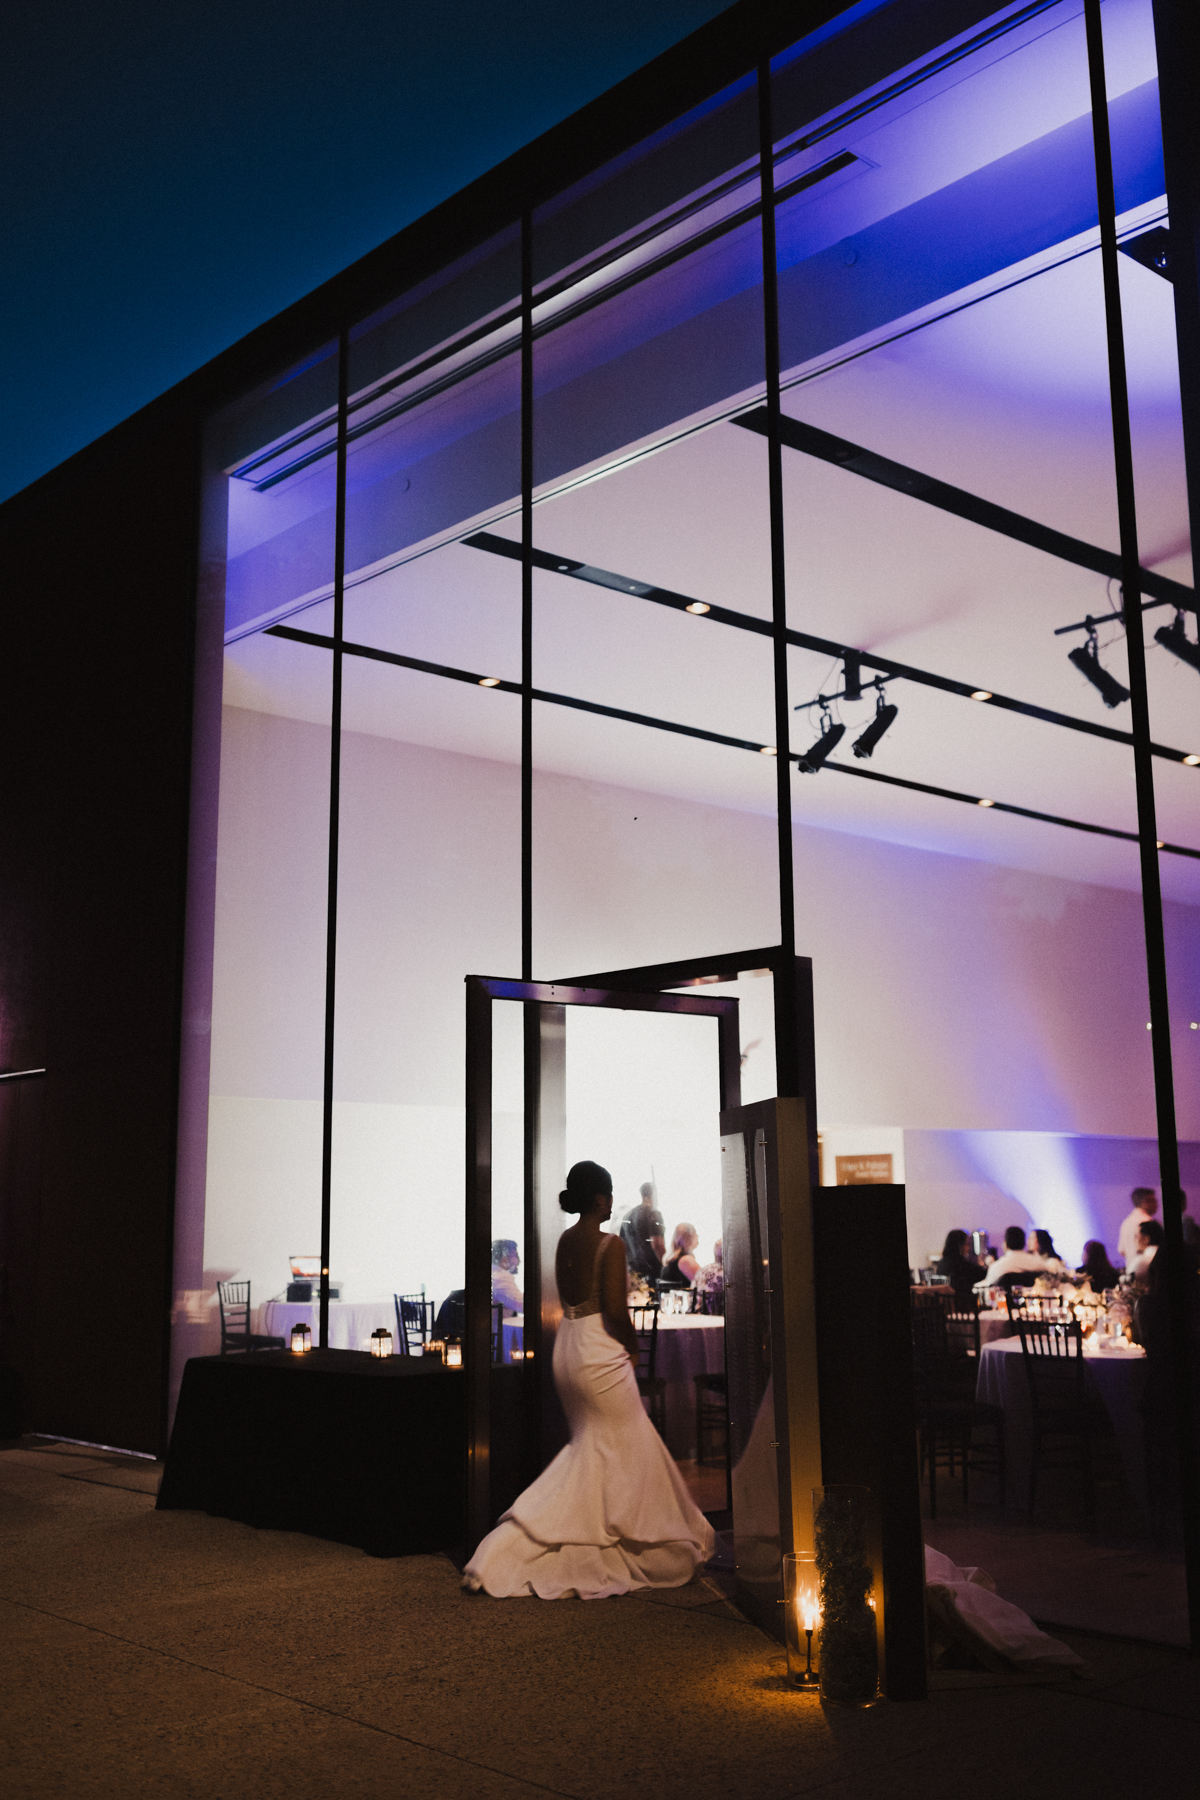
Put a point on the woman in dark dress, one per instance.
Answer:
(962, 1270)
(681, 1267)
(1096, 1267)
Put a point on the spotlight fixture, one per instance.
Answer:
(852, 667)
(831, 736)
(1175, 639)
(1087, 660)
(981, 694)
(885, 715)
(1191, 762)
(489, 681)
(698, 606)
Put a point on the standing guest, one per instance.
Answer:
(959, 1267)
(1145, 1205)
(681, 1267)
(1016, 1259)
(505, 1263)
(1096, 1267)
(642, 1231)
(1042, 1244)
(1191, 1231)
(1150, 1237)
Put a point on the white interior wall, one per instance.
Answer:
(950, 994)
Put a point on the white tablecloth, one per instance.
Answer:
(351, 1322)
(1119, 1379)
(688, 1345)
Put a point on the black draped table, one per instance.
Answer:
(340, 1444)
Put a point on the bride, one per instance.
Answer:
(611, 1513)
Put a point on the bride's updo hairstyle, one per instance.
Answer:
(584, 1182)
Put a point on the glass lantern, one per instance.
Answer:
(301, 1340)
(453, 1357)
(381, 1341)
(802, 1618)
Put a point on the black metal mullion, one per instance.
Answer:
(527, 597)
(1152, 912)
(787, 1053)
(335, 790)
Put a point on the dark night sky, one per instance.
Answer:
(177, 171)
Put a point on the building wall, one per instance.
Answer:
(95, 728)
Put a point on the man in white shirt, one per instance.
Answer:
(1016, 1259)
(1145, 1205)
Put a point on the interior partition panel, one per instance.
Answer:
(819, 1375)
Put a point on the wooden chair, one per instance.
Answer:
(1068, 1419)
(948, 1413)
(651, 1385)
(414, 1322)
(233, 1297)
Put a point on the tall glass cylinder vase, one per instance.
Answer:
(849, 1664)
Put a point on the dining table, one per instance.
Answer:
(1117, 1376)
(351, 1322)
(689, 1344)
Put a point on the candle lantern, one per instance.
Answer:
(802, 1618)
(435, 1347)
(849, 1658)
(454, 1356)
(381, 1341)
(301, 1340)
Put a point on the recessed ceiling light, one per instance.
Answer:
(489, 681)
(985, 803)
(767, 750)
(1149, 1027)
(981, 694)
(1191, 761)
(1194, 1026)
(699, 606)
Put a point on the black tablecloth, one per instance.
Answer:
(364, 1450)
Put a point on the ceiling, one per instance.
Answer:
(999, 388)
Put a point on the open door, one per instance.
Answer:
(515, 1424)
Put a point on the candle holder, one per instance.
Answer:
(301, 1340)
(802, 1618)
(381, 1341)
(435, 1347)
(849, 1660)
(453, 1356)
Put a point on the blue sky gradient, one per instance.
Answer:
(174, 175)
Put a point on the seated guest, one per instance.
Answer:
(1150, 1236)
(1145, 1205)
(642, 1231)
(1096, 1267)
(960, 1268)
(1017, 1260)
(451, 1322)
(711, 1280)
(681, 1267)
(1042, 1244)
(505, 1263)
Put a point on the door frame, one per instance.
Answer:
(545, 1006)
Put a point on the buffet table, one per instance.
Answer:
(1118, 1377)
(364, 1450)
(351, 1322)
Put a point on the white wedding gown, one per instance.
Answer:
(611, 1514)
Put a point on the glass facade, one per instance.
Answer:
(527, 574)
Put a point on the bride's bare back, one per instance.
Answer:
(574, 1266)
